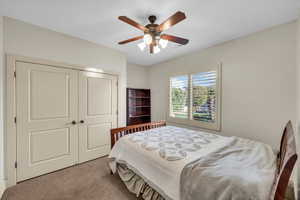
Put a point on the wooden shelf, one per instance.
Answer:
(138, 106)
(139, 97)
(139, 116)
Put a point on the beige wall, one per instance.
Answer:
(32, 41)
(258, 82)
(1, 108)
(137, 76)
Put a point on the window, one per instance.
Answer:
(204, 96)
(194, 99)
(180, 96)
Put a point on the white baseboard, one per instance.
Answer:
(2, 187)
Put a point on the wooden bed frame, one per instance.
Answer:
(117, 133)
(287, 156)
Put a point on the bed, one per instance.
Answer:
(156, 162)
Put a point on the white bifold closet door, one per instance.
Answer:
(64, 117)
(97, 113)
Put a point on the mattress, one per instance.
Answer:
(159, 155)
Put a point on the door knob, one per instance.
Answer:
(73, 122)
(82, 121)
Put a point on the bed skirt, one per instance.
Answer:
(136, 184)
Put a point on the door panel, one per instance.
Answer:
(47, 102)
(97, 135)
(41, 144)
(98, 110)
(99, 96)
(45, 85)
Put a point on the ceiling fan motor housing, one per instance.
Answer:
(152, 30)
(152, 19)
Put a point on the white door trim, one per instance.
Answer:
(10, 129)
(2, 187)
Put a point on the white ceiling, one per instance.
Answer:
(208, 21)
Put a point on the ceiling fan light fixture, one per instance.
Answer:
(156, 49)
(163, 43)
(153, 37)
(142, 46)
(148, 39)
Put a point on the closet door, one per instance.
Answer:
(47, 103)
(97, 114)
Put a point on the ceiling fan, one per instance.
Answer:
(153, 36)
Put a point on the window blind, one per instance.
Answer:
(179, 96)
(204, 96)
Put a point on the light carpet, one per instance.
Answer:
(88, 181)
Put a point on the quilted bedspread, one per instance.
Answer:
(165, 158)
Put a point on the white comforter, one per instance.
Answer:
(160, 155)
(242, 170)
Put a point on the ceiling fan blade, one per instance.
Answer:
(151, 48)
(175, 39)
(132, 23)
(131, 40)
(171, 21)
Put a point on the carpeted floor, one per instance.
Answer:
(87, 181)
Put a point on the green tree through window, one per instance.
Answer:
(179, 96)
(203, 94)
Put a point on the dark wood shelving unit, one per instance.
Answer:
(138, 106)
(137, 97)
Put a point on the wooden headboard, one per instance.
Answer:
(287, 158)
(117, 133)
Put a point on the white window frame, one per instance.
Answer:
(216, 126)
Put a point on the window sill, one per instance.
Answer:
(203, 125)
